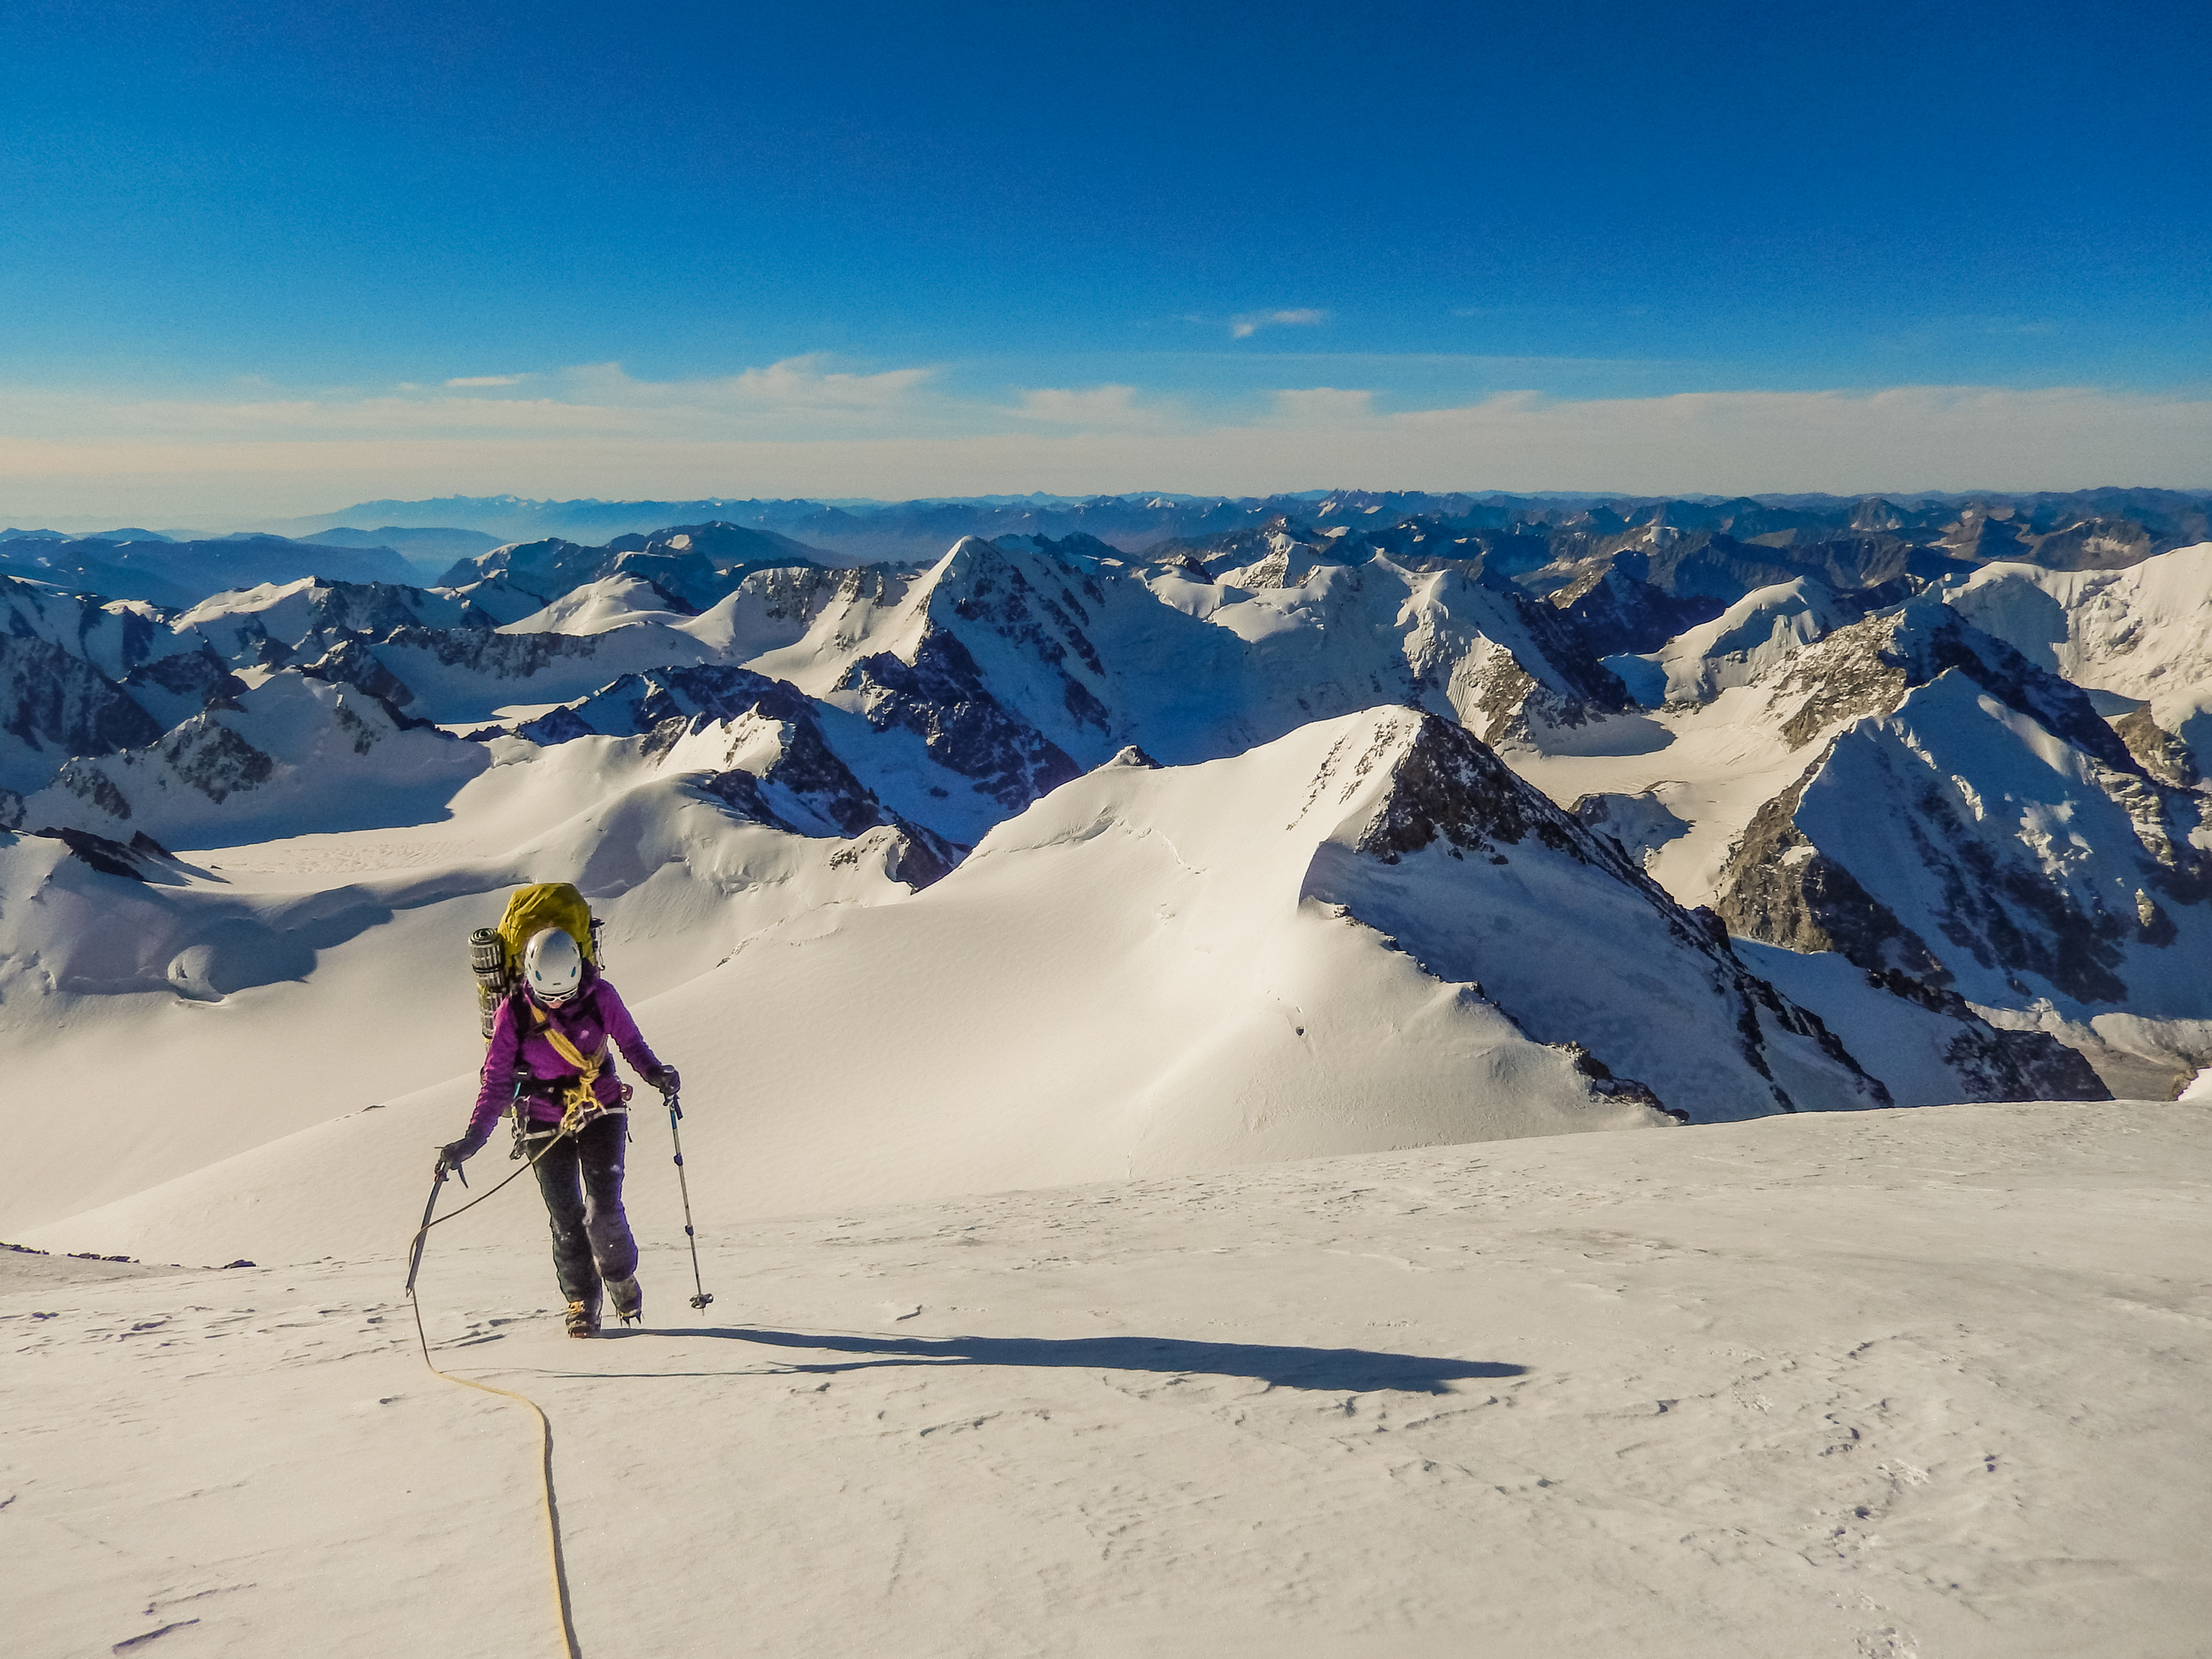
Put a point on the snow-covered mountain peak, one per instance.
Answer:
(2142, 635)
(1752, 636)
(614, 602)
(2049, 868)
(266, 624)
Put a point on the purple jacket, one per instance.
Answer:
(595, 1015)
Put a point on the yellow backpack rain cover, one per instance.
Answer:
(546, 904)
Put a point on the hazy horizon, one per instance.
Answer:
(274, 259)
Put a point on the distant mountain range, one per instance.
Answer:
(1681, 546)
(138, 564)
(2078, 529)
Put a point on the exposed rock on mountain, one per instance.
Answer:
(1868, 666)
(114, 636)
(2143, 635)
(1708, 566)
(1961, 839)
(140, 858)
(174, 688)
(351, 662)
(939, 696)
(1760, 632)
(275, 624)
(1095, 654)
(696, 565)
(1638, 824)
(815, 614)
(1619, 615)
(53, 705)
(294, 755)
(1975, 831)
(460, 675)
(1478, 875)
(767, 730)
(2090, 530)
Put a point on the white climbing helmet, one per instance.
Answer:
(553, 965)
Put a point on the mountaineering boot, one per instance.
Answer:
(583, 1317)
(628, 1297)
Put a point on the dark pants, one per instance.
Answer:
(580, 1176)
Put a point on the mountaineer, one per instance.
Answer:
(556, 1020)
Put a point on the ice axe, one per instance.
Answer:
(675, 1112)
(422, 1234)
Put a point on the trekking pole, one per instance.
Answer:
(683, 1185)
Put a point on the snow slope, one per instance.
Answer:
(1916, 792)
(1124, 978)
(1157, 971)
(241, 993)
(2144, 633)
(1367, 934)
(1923, 1382)
(1758, 632)
(596, 607)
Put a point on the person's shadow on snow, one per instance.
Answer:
(1327, 1370)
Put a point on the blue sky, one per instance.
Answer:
(247, 249)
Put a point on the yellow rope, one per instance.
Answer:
(545, 1426)
(552, 1513)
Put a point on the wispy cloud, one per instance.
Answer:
(1110, 408)
(1250, 323)
(798, 399)
(793, 384)
(801, 427)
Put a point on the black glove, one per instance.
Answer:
(456, 1153)
(665, 1080)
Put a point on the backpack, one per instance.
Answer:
(496, 953)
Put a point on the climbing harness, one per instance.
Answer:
(579, 1104)
(565, 1613)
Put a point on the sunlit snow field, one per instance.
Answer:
(1909, 1383)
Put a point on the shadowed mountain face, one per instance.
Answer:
(165, 572)
(692, 564)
